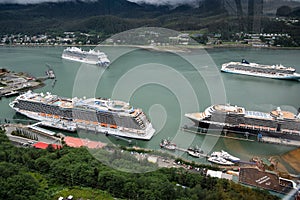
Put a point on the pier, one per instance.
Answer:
(41, 130)
(281, 141)
(119, 138)
(221, 136)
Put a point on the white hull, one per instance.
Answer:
(225, 155)
(80, 60)
(195, 154)
(219, 161)
(295, 76)
(73, 126)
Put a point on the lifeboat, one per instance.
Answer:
(113, 126)
(103, 125)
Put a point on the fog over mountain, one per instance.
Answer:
(194, 3)
(38, 1)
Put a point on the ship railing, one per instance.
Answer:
(111, 127)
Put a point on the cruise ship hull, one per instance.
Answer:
(277, 123)
(89, 57)
(285, 77)
(208, 125)
(72, 126)
(76, 114)
(80, 60)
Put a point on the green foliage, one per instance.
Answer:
(82, 193)
(27, 173)
(25, 134)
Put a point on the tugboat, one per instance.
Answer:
(219, 160)
(225, 155)
(167, 144)
(195, 152)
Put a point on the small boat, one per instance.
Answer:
(225, 155)
(219, 160)
(229, 157)
(195, 152)
(167, 144)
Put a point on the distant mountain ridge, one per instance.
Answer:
(110, 16)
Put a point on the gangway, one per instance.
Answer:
(37, 128)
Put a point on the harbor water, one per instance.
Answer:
(166, 85)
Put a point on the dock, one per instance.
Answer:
(119, 138)
(215, 135)
(41, 130)
(281, 141)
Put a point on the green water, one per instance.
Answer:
(166, 86)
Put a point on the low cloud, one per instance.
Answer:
(37, 1)
(194, 3)
(174, 3)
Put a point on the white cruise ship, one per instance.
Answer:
(90, 57)
(266, 71)
(276, 123)
(106, 116)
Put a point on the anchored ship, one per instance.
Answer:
(107, 116)
(277, 123)
(267, 71)
(90, 57)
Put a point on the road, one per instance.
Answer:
(21, 140)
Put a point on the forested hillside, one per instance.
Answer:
(28, 173)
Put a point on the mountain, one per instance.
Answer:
(112, 16)
(108, 16)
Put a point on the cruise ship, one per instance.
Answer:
(267, 71)
(277, 123)
(111, 117)
(90, 57)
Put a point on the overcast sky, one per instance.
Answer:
(35, 1)
(155, 2)
(168, 2)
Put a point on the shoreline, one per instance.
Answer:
(162, 48)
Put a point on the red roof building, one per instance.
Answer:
(78, 142)
(43, 145)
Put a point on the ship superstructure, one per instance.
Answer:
(267, 71)
(90, 57)
(277, 123)
(96, 114)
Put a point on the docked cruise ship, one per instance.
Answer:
(277, 123)
(102, 115)
(90, 57)
(267, 71)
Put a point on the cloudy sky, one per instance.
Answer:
(35, 1)
(155, 2)
(167, 2)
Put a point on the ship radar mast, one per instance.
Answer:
(298, 114)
